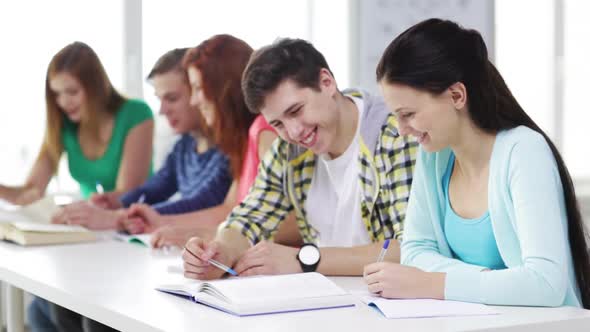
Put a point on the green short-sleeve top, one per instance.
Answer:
(104, 170)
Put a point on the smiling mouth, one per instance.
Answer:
(310, 138)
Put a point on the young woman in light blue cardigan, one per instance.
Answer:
(492, 216)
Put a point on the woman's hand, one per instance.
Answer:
(88, 215)
(267, 257)
(196, 255)
(28, 196)
(142, 218)
(108, 200)
(392, 280)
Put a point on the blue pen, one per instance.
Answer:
(99, 188)
(386, 242)
(383, 251)
(222, 267)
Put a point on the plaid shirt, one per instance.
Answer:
(386, 161)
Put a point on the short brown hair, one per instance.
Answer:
(170, 61)
(293, 59)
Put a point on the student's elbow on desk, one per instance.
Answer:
(542, 286)
(550, 284)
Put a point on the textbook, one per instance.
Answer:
(423, 308)
(33, 233)
(262, 295)
(39, 211)
(31, 225)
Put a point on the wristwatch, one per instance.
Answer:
(309, 257)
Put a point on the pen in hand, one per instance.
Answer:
(383, 251)
(223, 267)
(385, 243)
(217, 264)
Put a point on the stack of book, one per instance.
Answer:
(31, 225)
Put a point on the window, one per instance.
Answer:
(180, 23)
(576, 110)
(525, 54)
(30, 38)
(543, 59)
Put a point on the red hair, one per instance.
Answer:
(221, 60)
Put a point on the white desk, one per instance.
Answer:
(112, 282)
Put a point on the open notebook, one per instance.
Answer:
(39, 211)
(423, 308)
(266, 294)
(30, 225)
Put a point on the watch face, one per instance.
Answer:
(309, 255)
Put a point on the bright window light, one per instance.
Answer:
(30, 38)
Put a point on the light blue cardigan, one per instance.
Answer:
(526, 204)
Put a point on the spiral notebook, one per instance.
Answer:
(262, 295)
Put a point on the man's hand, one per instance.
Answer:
(141, 218)
(268, 258)
(196, 255)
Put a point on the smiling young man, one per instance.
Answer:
(340, 164)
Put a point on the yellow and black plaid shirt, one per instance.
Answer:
(386, 162)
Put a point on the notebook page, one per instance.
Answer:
(41, 210)
(10, 213)
(277, 288)
(422, 308)
(8, 216)
(7, 206)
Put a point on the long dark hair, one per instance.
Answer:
(433, 55)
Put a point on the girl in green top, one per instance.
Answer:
(107, 138)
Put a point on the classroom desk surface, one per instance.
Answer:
(113, 282)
